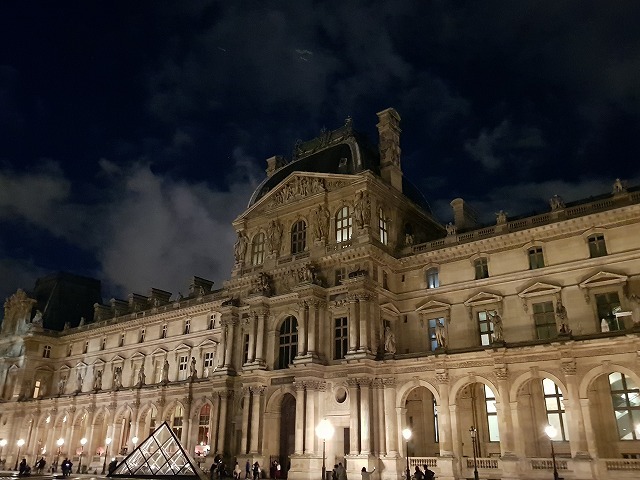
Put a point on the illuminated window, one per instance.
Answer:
(433, 278)
(212, 322)
(245, 349)
(383, 227)
(625, 397)
(203, 424)
(597, 246)
(344, 228)
(544, 318)
(46, 351)
(435, 422)
(208, 359)
(257, 249)
(608, 304)
(482, 268)
(298, 237)
(182, 367)
(341, 334)
(492, 414)
(36, 389)
(433, 326)
(177, 421)
(536, 258)
(554, 405)
(288, 348)
(152, 422)
(486, 327)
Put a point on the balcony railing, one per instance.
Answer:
(623, 464)
(484, 463)
(547, 464)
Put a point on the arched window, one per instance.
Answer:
(177, 420)
(624, 396)
(383, 227)
(344, 227)
(298, 237)
(554, 405)
(257, 249)
(288, 342)
(492, 414)
(203, 424)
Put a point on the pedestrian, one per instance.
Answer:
(256, 471)
(278, 468)
(366, 475)
(23, 467)
(428, 474)
(418, 475)
(342, 472)
(334, 472)
(237, 471)
(247, 470)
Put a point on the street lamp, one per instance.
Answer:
(83, 442)
(107, 441)
(3, 442)
(406, 434)
(59, 442)
(134, 440)
(551, 433)
(324, 430)
(473, 431)
(20, 444)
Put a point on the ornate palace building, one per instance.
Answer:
(350, 302)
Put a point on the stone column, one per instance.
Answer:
(391, 425)
(588, 428)
(250, 323)
(303, 308)
(363, 304)
(299, 437)
(365, 416)
(261, 319)
(313, 326)
(353, 324)
(519, 443)
(186, 432)
(444, 414)
(257, 394)
(244, 444)
(455, 431)
(575, 420)
(378, 417)
(505, 425)
(354, 425)
(310, 420)
(225, 396)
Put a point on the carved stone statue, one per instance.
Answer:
(37, 319)
(97, 381)
(618, 186)
(117, 378)
(79, 381)
(389, 340)
(501, 217)
(141, 376)
(240, 247)
(604, 325)
(451, 229)
(441, 336)
(496, 320)
(193, 372)
(17, 312)
(362, 209)
(321, 223)
(274, 236)
(61, 385)
(561, 311)
(82, 320)
(165, 371)
(262, 284)
(556, 202)
(634, 300)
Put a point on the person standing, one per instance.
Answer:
(366, 475)
(247, 470)
(256, 471)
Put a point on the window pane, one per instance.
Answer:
(615, 381)
(548, 386)
(494, 434)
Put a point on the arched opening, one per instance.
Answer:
(287, 432)
(204, 438)
(477, 408)
(422, 419)
(177, 420)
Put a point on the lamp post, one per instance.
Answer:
(406, 434)
(3, 442)
(134, 440)
(20, 444)
(59, 442)
(107, 441)
(551, 433)
(324, 430)
(473, 431)
(83, 442)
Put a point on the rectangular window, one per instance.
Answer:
(344, 227)
(486, 327)
(433, 278)
(544, 318)
(245, 349)
(182, 367)
(554, 405)
(103, 345)
(122, 337)
(435, 422)
(482, 268)
(212, 322)
(143, 332)
(341, 335)
(597, 246)
(208, 359)
(187, 326)
(70, 350)
(163, 333)
(536, 258)
(46, 351)
(433, 327)
(86, 347)
(385, 280)
(383, 227)
(340, 274)
(492, 414)
(625, 397)
(36, 389)
(608, 304)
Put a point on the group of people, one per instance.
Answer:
(339, 472)
(40, 465)
(66, 467)
(426, 475)
(24, 470)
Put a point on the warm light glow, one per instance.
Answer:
(83, 441)
(473, 431)
(550, 431)
(406, 434)
(20, 443)
(3, 442)
(60, 442)
(108, 440)
(134, 440)
(324, 430)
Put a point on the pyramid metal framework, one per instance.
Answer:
(159, 456)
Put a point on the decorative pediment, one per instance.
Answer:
(602, 279)
(183, 347)
(117, 360)
(98, 363)
(65, 368)
(208, 343)
(483, 298)
(137, 357)
(80, 365)
(538, 289)
(159, 352)
(390, 309)
(433, 306)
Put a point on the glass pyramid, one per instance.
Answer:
(160, 455)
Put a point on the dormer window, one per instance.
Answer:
(433, 277)
(597, 246)
(536, 258)
(481, 266)
(46, 351)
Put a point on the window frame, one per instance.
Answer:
(536, 258)
(558, 412)
(628, 407)
(298, 237)
(340, 337)
(258, 249)
(343, 222)
(432, 277)
(287, 342)
(383, 227)
(597, 245)
(481, 268)
(46, 351)
(545, 315)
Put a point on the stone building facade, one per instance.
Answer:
(350, 302)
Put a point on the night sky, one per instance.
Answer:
(133, 132)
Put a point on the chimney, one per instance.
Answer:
(464, 217)
(389, 144)
(273, 164)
